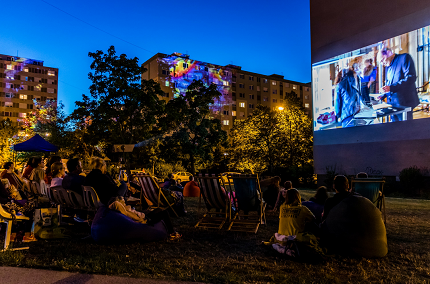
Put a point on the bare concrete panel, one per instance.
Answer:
(339, 26)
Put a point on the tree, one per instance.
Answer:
(195, 134)
(8, 138)
(122, 108)
(270, 139)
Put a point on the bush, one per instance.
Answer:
(163, 169)
(412, 179)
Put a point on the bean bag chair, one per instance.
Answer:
(191, 189)
(355, 226)
(112, 226)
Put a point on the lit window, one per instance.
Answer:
(294, 87)
(274, 83)
(167, 84)
(22, 114)
(23, 97)
(8, 104)
(25, 69)
(242, 105)
(225, 83)
(9, 67)
(226, 122)
(51, 73)
(306, 105)
(233, 113)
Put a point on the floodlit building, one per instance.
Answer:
(242, 90)
(23, 80)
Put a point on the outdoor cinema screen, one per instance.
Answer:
(385, 82)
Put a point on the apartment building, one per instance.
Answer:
(23, 80)
(242, 90)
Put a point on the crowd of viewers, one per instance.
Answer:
(297, 217)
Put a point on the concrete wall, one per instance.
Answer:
(339, 26)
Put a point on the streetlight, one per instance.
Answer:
(280, 108)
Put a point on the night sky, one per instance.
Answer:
(265, 37)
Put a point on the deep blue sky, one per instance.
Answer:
(265, 37)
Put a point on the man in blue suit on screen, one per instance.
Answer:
(400, 76)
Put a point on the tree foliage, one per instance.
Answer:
(122, 108)
(195, 133)
(270, 139)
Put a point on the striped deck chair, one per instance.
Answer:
(217, 202)
(248, 199)
(153, 193)
(372, 189)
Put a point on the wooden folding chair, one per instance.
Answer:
(6, 217)
(216, 198)
(372, 189)
(153, 193)
(91, 199)
(248, 198)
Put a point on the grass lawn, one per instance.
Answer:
(228, 257)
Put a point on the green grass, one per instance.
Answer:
(228, 257)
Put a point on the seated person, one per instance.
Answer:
(103, 184)
(294, 217)
(28, 169)
(174, 186)
(352, 224)
(316, 203)
(191, 189)
(119, 223)
(48, 173)
(168, 180)
(270, 195)
(282, 195)
(13, 178)
(370, 190)
(74, 179)
(57, 172)
(341, 186)
(38, 172)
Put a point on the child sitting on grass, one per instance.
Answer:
(294, 221)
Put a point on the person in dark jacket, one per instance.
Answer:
(400, 88)
(74, 180)
(316, 203)
(348, 96)
(103, 184)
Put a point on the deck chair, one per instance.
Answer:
(153, 193)
(6, 217)
(215, 198)
(91, 199)
(248, 198)
(372, 189)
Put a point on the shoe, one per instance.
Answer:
(79, 220)
(175, 236)
(27, 239)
